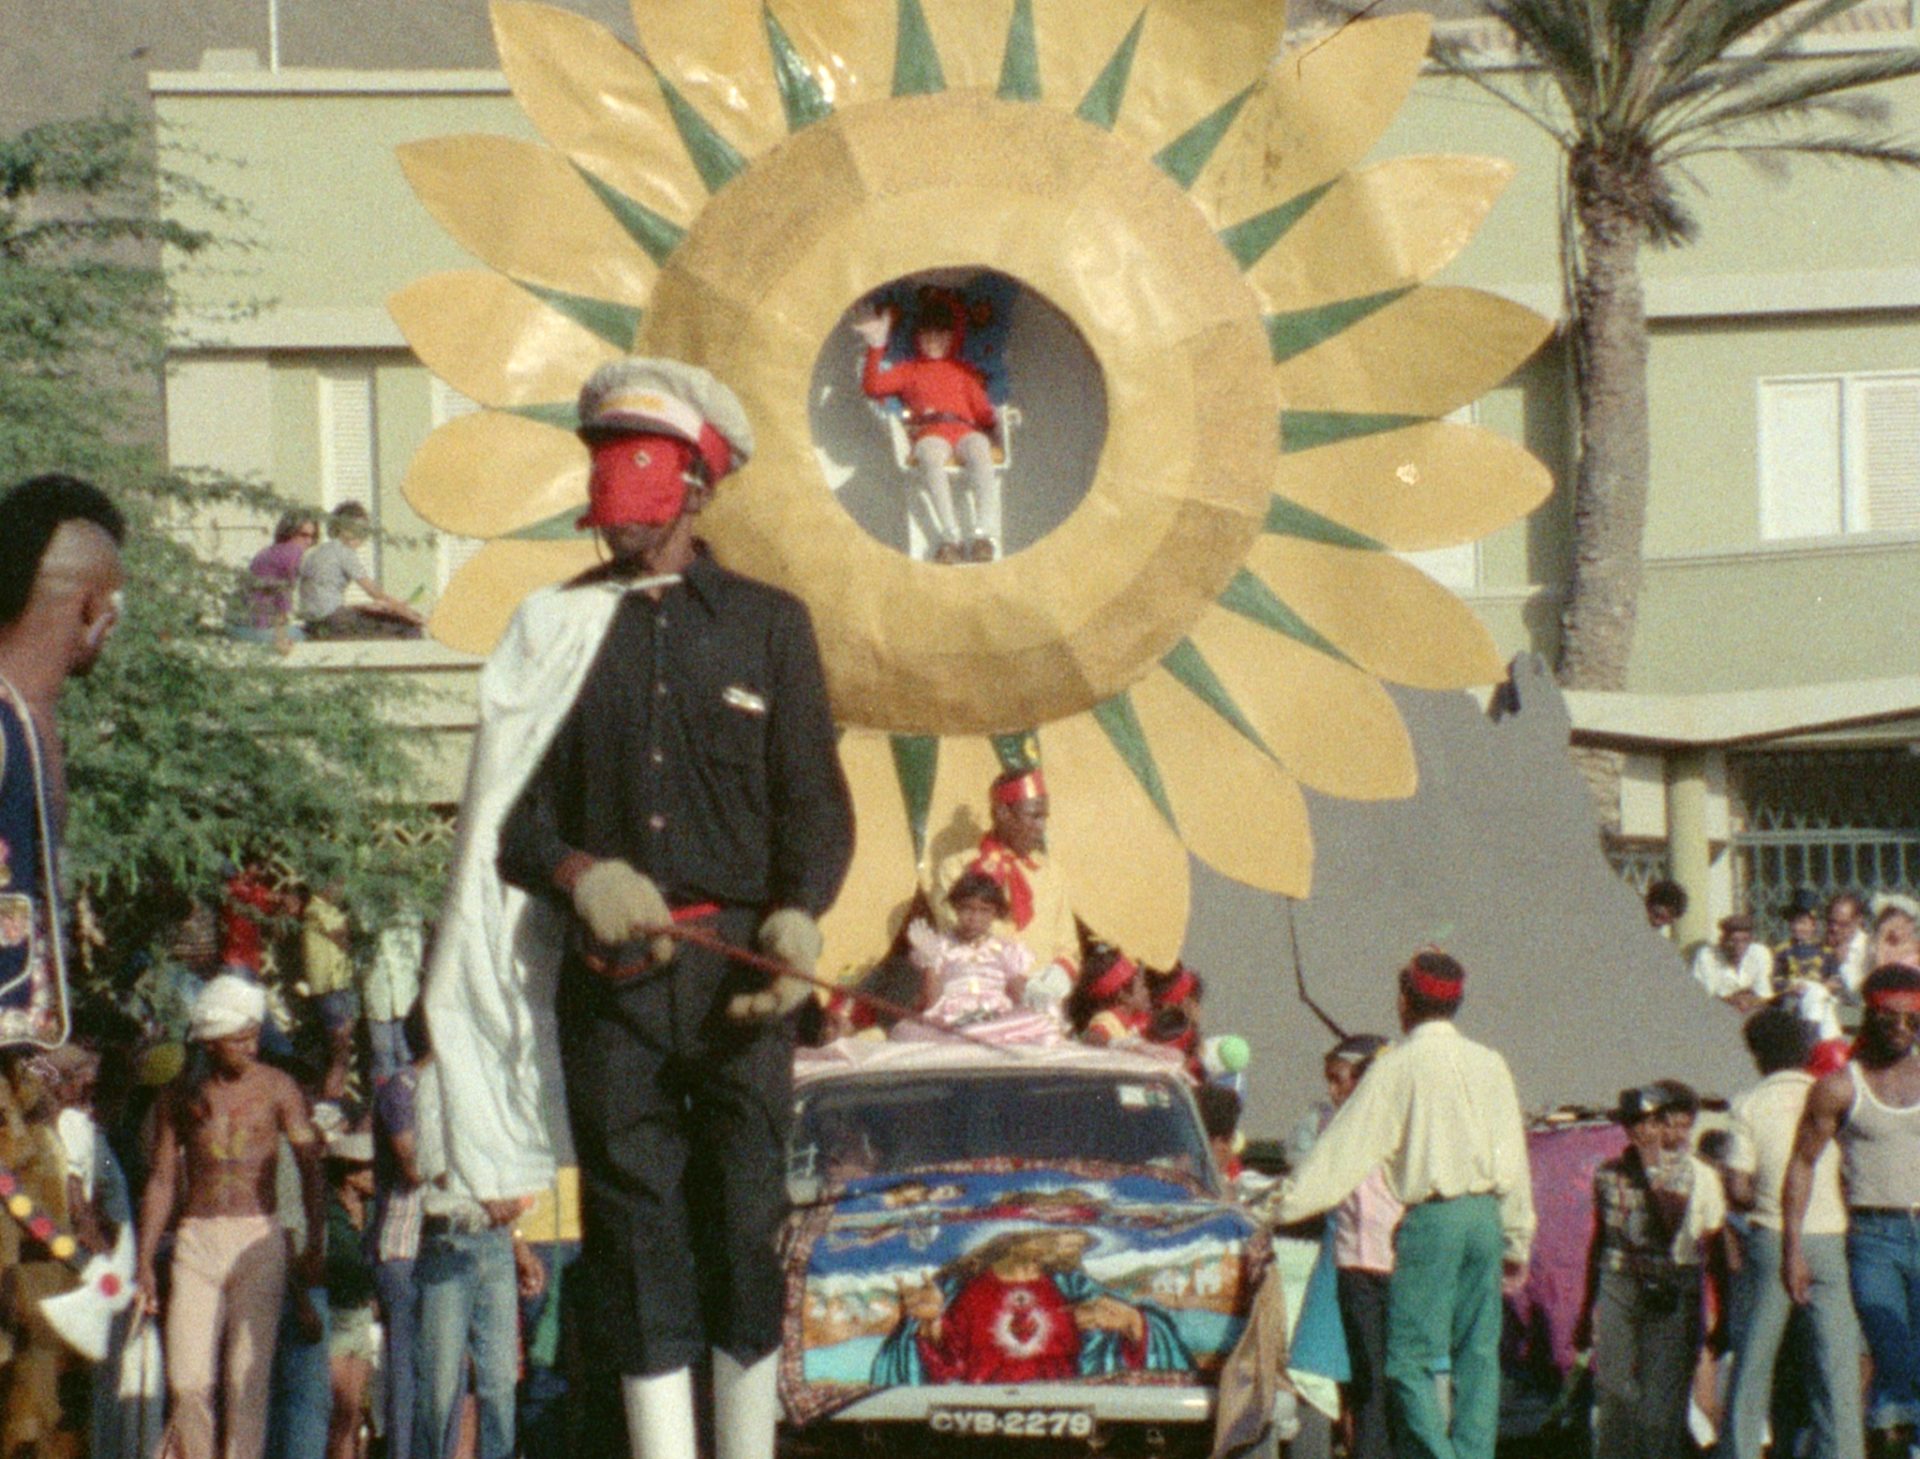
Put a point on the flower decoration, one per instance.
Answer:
(1210, 628)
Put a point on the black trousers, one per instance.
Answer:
(1363, 1312)
(680, 1123)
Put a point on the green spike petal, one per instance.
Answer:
(561, 414)
(1251, 598)
(1101, 104)
(1122, 725)
(916, 64)
(916, 758)
(1183, 157)
(617, 324)
(1187, 664)
(1019, 750)
(557, 528)
(658, 236)
(1290, 519)
(1302, 430)
(1300, 330)
(1020, 66)
(1250, 239)
(714, 157)
(800, 94)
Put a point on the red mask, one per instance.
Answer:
(637, 480)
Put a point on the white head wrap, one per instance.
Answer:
(227, 1005)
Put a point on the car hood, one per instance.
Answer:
(1181, 1262)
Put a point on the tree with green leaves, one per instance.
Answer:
(1633, 92)
(188, 754)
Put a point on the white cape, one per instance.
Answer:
(496, 956)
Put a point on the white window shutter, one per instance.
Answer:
(346, 438)
(454, 551)
(1801, 479)
(1886, 459)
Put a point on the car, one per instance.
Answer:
(1007, 1249)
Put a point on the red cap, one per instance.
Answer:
(1116, 977)
(1028, 787)
(637, 479)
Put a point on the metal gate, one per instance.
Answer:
(1828, 821)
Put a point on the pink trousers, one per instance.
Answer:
(229, 1274)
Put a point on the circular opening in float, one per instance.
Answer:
(1007, 487)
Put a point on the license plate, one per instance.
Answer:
(1012, 1423)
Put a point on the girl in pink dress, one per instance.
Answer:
(970, 978)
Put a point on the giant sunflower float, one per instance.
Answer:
(1207, 630)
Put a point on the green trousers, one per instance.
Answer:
(1443, 1315)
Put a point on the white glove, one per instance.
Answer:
(615, 902)
(790, 936)
(874, 327)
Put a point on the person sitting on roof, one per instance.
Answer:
(972, 978)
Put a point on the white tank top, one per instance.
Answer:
(1880, 1145)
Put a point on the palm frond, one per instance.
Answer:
(1882, 152)
(1792, 89)
(1555, 33)
(1455, 58)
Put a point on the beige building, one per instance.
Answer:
(1776, 683)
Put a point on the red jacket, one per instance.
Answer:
(945, 398)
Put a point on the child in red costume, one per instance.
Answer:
(949, 417)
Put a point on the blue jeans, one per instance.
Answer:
(301, 1393)
(1883, 1257)
(387, 1039)
(469, 1305)
(1765, 1309)
(400, 1306)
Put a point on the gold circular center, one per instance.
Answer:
(1182, 487)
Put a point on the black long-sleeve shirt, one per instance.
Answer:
(701, 750)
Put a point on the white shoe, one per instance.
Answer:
(746, 1407)
(660, 1415)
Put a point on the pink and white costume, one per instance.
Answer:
(973, 978)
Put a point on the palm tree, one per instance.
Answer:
(1632, 92)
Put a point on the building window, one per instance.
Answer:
(453, 551)
(1839, 454)
(347, 467)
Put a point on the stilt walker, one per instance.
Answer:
(655, 749)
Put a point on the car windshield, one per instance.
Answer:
(848, 1128)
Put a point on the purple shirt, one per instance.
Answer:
(274, 571)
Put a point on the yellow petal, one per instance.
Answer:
(1126, 868)
(1387, 616)
(474, 610)
(957, 813)
(1074, 40)
(523, 209)
(715, 52)
(1238, 811)
(880, 883)
(594, 99)
(487, 475)
(1329, 723)
(1322, 105)
(971, 37)
(846, 44)
(1396, 223)
(1433, 351)
(1431, 485)
(1195, 56)
(493, 341)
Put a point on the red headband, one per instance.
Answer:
(1894, 1000)
(1432, 985)
(1178, 988)
(1027, 787)
(1109, 983)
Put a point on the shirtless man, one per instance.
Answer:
(229, 1258)
(1872, 1107)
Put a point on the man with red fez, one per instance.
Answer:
(1441, 1115)
(655, 748)
(1014, 854)
(1871, 1106)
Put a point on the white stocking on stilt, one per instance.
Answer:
(660, 1416)
(746, 1407)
